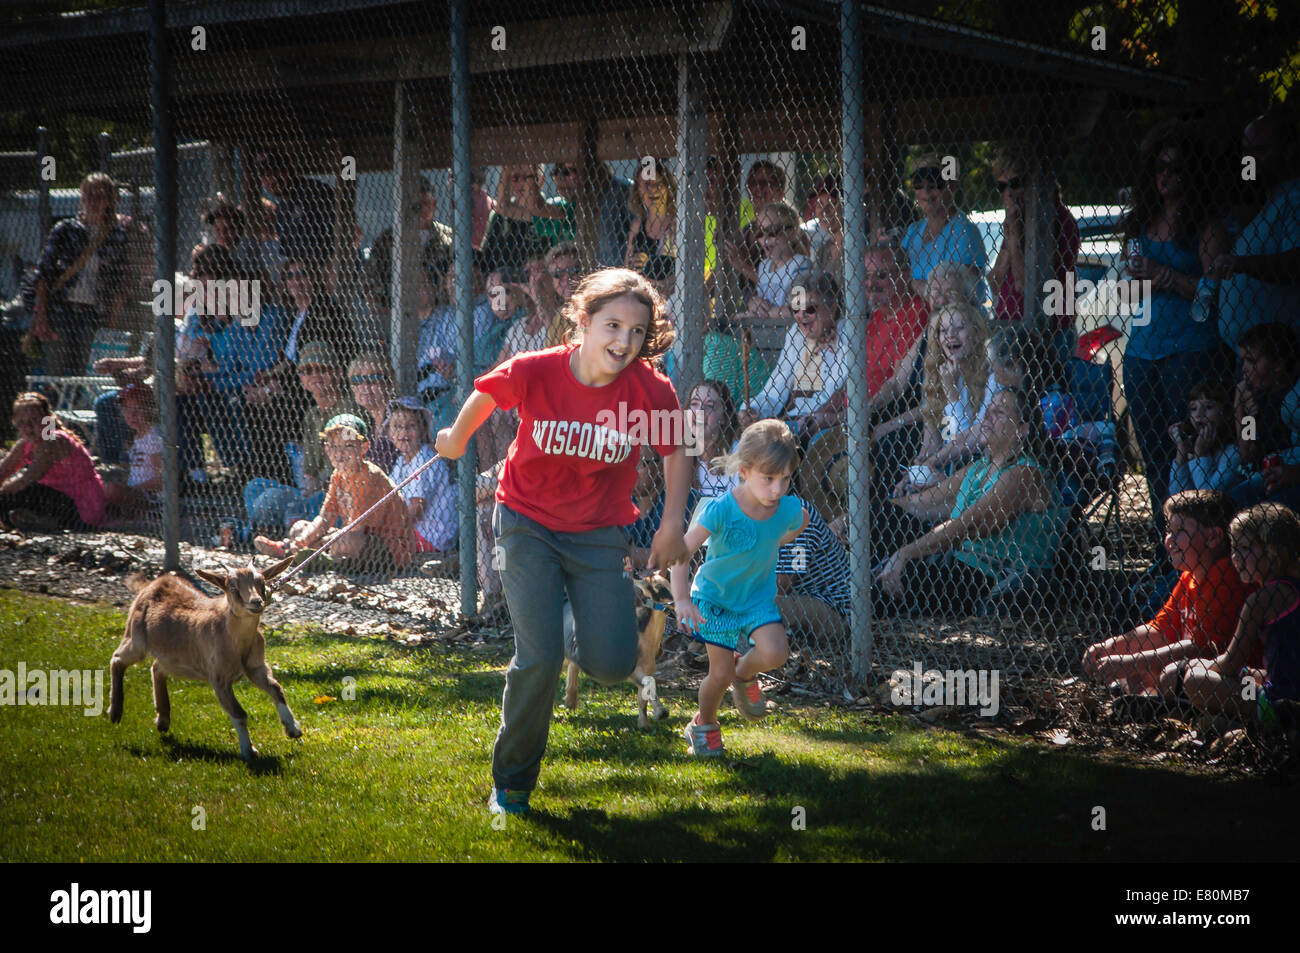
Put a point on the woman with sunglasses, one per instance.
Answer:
(812, 366)
(1169, 350)
(520, 225)
(652, 202)
(785, 263)
(1010, 175)
(943, 233)
(371, 378)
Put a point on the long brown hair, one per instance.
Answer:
(43, 402)
(603, 286)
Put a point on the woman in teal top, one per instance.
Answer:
(999, 516)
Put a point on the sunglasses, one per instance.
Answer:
(566, 272)
(772, 231)
(809, 307)
(1013, 183)
(879, 275)
(566, 171)
(367, 379)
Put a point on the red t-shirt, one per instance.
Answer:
(572, 465)
(1204, 612)
(889, 338)
(1010, 303)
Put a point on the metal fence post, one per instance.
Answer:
(692, 154)
(164, 354)
(463, 227)
(42, 184)
(854, 322)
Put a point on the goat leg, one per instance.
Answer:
(261, 677)
(571, 686)
(162, 703)
(238, 717)
(128, 653)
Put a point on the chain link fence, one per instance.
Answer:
(1014, 275)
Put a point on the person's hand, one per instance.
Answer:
(668, 548)
(637, 260)
(1140, 267)
(1281, 477)
(446, 447)
(1244, 400)
(809, 423)
(735, 257)
(1090, 658)
(883, 430)
(890, 576)
(901, 488)
(1109, 669)
(839, 530)
(1223, 266)
(688, 614)
(1203, 445)
(746, 417)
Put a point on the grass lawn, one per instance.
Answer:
(401, 773)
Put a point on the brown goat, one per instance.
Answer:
(211, 639)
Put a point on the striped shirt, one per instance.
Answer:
(818, 562)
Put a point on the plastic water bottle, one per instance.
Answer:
(1205, 305)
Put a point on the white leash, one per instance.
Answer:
(335, 538)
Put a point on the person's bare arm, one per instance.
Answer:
(12, 459)
(45, 453)
(155, 482)
(935, 502)
(1019, 490)
(452, 440)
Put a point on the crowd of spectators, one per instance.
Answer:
(980, 456)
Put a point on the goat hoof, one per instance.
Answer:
(163, 724)
(293, 731)
(115, 715)
(250, 754)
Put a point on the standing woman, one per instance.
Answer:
(82, 279)
(944, 233)
(1169, 351)
(564, 496)
(652, 200)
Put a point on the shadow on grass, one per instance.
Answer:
(177, 751)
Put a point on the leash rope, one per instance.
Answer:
(341, 533)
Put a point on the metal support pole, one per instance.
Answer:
(42, 184)
(406, 244)
(164, 349)
(692, 155)
(463, 226)
(105, 153)
(853, 324)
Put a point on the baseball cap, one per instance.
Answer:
(319, 353)
(347, 420)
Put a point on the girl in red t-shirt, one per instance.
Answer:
(565, 495)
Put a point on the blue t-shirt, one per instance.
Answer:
(739, 572)
(958, 242)
(1244, 301)
(1169, 329)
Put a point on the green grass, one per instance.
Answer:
(401, 773)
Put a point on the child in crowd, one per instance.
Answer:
(430, 497)
(1269, 360)
(1206, 456)
(1199, 617)
(143, 485)
(731, 604)
(1261, 664)
(47, 479)
(385, 541)
(563, 500)
(957, 388)
(712, 427)
(273, 504)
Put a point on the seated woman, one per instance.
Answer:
(713, 431)
(652, 203)
(996, 518)
(47, 479)
(371, 378)
(812, 366)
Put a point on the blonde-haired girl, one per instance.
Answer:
(731, 604)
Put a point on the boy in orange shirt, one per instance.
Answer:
(385, 542)
(1201, 614)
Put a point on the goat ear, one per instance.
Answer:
(217, 579)
(278, 568)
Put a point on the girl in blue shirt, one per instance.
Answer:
(732, 601)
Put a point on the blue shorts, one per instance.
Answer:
(732, 630)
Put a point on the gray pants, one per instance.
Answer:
(596, 629)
